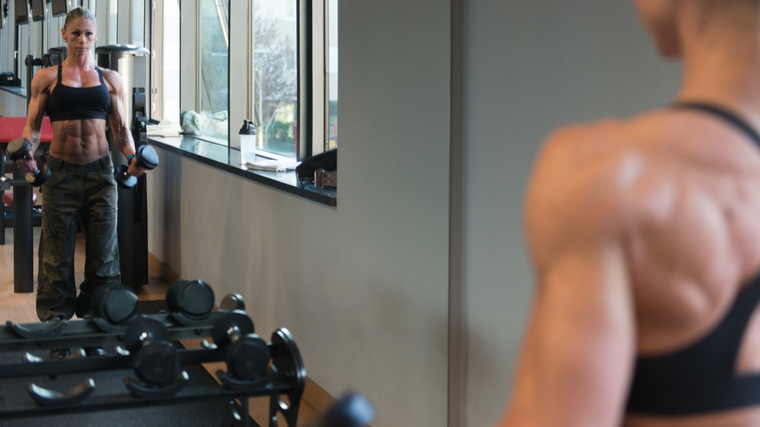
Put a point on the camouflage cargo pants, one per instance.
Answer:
(75, 191)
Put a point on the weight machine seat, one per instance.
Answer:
(8, 199)
(10, 129)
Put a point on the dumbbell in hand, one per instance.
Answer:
(145, 157)
(20, 148)
(155, 360)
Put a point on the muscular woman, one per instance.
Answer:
(645, 238)
(78, 97)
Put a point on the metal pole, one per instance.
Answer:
(23, 253)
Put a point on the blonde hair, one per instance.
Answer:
(77, 13)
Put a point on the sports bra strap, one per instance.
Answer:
(724, 114)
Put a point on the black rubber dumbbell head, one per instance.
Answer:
(123, 178)
(248, 357)
(156, 361)
(19, 149)
(147, 157)
(232, 324)
(193, 298)
(143, 330)
(117, 304)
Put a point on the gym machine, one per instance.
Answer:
(23, 216)
(132, 227)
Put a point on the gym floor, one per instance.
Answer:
(20, 308)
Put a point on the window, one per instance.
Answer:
(291, 92)
(165, 62)
(214, 47)
(275, 75)
(331, 137)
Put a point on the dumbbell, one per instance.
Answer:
(190, 300)
(18, 149)
(156, 361)
(351, 410)
(247, 353)
(146, 157)
(113, 307)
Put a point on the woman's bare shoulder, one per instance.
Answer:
(586, 178)
(45, 75)
(112, 78)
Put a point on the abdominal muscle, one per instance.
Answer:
(79, 141)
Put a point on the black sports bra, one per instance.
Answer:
(77, 103)
(701, 378)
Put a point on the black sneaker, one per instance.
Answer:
(59, 353)
(94, 351)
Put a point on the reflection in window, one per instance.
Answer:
(332, 74)
(275, 75)
(171, 60)
(214, 48)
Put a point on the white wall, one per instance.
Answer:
(532, 65)
(363, 287)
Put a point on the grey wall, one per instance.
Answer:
(532, 66)
(363, 287)
(12, 105)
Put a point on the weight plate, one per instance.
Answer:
(234, 319)
(143, 330)
(248, 357)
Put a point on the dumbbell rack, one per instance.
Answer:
(285, 375)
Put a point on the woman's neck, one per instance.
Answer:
(79, 62)
(721, 55)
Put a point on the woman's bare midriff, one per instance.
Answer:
(79, 141)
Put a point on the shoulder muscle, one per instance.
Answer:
(576, 188)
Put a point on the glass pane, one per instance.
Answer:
(113, 20)
(275, 75)
(137, 23)
(332, 74)
(214, 38)
(170, 64)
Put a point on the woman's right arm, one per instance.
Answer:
(35, 114)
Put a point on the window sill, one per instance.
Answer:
(228, 159)
(16, 90)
